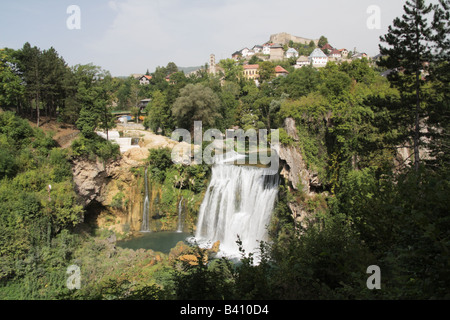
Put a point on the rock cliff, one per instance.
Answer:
(295, 170)
(111, 190)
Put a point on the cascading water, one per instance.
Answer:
(238, 202)
(145, 212)
(180, 216)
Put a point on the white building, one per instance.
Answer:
(144, 80)
(266, 48)
(291, 52)
(318, 59)
(302, 61)
(335, 54)
(257, 49)
(244, 52)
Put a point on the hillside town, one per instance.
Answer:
(282, 48)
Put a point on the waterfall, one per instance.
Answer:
(180, 216)
(145, 212)
(239, 201)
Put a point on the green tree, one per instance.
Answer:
(231, 69)
(408, 40)
(31, 64)
(322, 41)
(158, 113)
(196, 103)
(266, 71)
(11, 89)
(300, 83)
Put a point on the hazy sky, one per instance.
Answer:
(131, 36)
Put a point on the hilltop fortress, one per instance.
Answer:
(284, 38)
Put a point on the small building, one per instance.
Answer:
(143, 104)
(280, 71)
(250, 53)
(359, 55)
(237, 55)
(291, 53)
(327, 47)
(266, 48)
(302, 61)
(257, 49)
(344, 53)
(336, 54)
(318, 59)
(145, 79)
(244, 52)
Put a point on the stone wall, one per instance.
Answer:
(284, 38)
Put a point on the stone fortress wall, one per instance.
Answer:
(284, 38)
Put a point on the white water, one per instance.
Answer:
(145, 215)
(239, 201)
(180, 216)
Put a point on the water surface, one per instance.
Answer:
(156, 241)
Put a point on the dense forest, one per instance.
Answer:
(374, 207)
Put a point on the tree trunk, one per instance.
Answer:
(417, 124)
(37, 110)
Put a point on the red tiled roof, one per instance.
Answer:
(280, 69)
(251, 66)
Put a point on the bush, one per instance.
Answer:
(8, 165)
(94, 147)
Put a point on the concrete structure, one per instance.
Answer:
(125, 144)
(276, 52)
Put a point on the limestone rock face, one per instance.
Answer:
(294, 168)
(291, 130)
(98, 183)
(89, 178)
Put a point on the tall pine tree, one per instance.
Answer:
(408, 53)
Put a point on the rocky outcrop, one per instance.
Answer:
(89, 179)
(113, 190)
(289, 127)
(293, 167)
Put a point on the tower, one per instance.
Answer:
(212, 64)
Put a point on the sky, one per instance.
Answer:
(131, 36)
